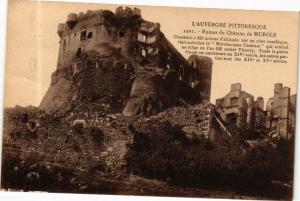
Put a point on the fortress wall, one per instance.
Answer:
(171, 57)
(125, 42)
(101, 34)
(71, 38)
(68, 47)
(202, 76)
(196, 76)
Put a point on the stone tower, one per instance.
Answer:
(279, 112)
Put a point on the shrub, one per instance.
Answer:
(160, 150)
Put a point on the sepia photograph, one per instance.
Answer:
(149, 100)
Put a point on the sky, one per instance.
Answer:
(32, 47)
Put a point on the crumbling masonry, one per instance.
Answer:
(280, 111)
(239, 110)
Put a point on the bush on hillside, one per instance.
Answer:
(160, 150)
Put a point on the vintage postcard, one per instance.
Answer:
(144, 100)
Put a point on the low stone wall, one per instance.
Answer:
(56, 140)
(59, 142)
(115, 140)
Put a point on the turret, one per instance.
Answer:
(72, 20)
(127, 12)
(136, 12)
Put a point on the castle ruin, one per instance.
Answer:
(238, 109)
(111, 57)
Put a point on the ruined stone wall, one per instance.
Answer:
(157, 52)
(196, 121)
(279, 109)
(284, 98)
(242, 117)
(236, 108)
(202, 77)
(278, 118)
(259, 117)
(249, 114)
(55, 138)
(116, 138)
(204, 116)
